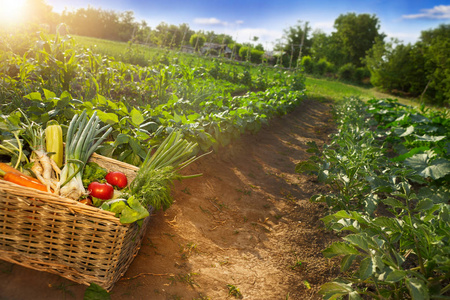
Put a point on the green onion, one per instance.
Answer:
(152, 183)
(82, 140)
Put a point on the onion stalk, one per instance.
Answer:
(156, 174)
(82, 140)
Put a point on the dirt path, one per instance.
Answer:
(246, 225)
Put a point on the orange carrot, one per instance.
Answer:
(24, 180)
(8, 169)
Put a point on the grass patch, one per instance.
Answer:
(326, 90)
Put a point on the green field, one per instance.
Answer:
(317, 88)
(388, 166)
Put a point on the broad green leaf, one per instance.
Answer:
(115, 207)
(411, 153)
(347, 261)
(137, 149)
(193, 117)
(134, 212)
(136, 117)
(408, 131)
(323, 175)
(358, 240)
(418, 118)
(66, 96)
(49, 94)
(400, 259)
(371, 203)
(366, 268)
(35, 96)
(342, 214)
(424, 204)
(393, 202)
(417, 289)
(112, 105)
(395, 276)
(96, 292)
(430, 138)
(426, 167)
(377, 262)
(354, 296)
(333, 290)
(386, 222)
(108, 118)
(306, 167)
(121, 139)
(176, 117)
(313, 148)
(339, 248)
(99, 99)
(142, 135)
(438, 195)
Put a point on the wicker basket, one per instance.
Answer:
(49, 233)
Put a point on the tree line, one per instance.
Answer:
(358, 51)
(355, 51)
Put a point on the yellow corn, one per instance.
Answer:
(54, 143)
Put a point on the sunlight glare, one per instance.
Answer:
(11, 11)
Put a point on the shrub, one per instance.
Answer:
(346, 72)
(322, 67)
(361, 74)
(197, 41)
(256, 56)
(235, 47)
(243, 52)
(307, 64)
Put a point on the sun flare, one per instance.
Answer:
(11, 11)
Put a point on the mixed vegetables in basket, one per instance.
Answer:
(40, 159)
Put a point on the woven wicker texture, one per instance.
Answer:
(49, 233)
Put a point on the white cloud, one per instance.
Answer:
(437, 12)
(326, 26)
(266, 37)
(215, 22)
(209, 21)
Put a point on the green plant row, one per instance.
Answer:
(388, 172)
(210, 101)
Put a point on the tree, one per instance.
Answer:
(185, 33)
(39, 12)
(127, 26)
(327, 47)
(143, 33)
(235, 47)
(396, 67)
(259, 47)
(436, 49)
(355, 35)
(197, 41)
(297, 38)
(422, 69)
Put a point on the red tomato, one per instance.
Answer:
(117, 179)
(102, 191)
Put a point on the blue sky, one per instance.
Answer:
(266, 19)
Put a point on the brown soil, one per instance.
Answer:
(246, 225)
